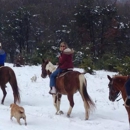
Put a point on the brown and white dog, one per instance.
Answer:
(18, 112)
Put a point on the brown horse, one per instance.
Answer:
(116, 85)
(68, 84)
(8, 75)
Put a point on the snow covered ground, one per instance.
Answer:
(40, 111)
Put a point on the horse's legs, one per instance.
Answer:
(56, 100)
(70, 98)
(4, 94)
(86, 106)
(15, 98)
(85, 97)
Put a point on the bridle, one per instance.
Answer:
(45, 70)
(113, 93)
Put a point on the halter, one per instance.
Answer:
(113, 93)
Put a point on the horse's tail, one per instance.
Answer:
(13, 83)
(88, 103)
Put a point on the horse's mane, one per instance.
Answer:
(120, 78)
(50, 67)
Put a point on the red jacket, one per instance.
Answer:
(65, 59)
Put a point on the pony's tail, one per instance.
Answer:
(13, 83)
(88, 102)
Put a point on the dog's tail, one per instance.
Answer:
(21, 110)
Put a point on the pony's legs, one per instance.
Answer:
(87, 109)
(15, 98)
(86, 106)
(86, 99)
(4, 94)
(70, 98)
(56, 101)
(15, 89)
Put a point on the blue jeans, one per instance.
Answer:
(127, 87)
(53, 77)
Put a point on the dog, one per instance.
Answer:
(18, 112)
(34, 78)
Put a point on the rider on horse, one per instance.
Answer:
(127, 86)
(65, 62)
(2, 56)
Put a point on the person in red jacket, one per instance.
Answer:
(65, 62)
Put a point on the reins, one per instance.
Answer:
(118, 96)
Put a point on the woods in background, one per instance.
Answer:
(94, 28)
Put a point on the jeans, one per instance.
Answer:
(53, 77)
(127, 87)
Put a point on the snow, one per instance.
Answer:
(40, 112)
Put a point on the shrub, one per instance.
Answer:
(124, 66)
(87, 65)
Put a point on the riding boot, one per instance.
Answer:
(127, 102)
(53, 90)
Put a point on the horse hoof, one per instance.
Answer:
(59, 113)
(68, 115)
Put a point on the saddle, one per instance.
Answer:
(65, 71)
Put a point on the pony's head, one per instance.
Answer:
(114, 88)
(47, 68)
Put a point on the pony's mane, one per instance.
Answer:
(120, 78)
(50, 67)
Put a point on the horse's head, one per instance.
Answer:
(47, 68)
(114, 88)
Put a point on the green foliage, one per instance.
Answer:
(107, 62)
(32, 59)
(18, 26)
(46, 51)
(35, 60)
(36, 25)
(124, 66)
(50, 57)
(87, 65)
